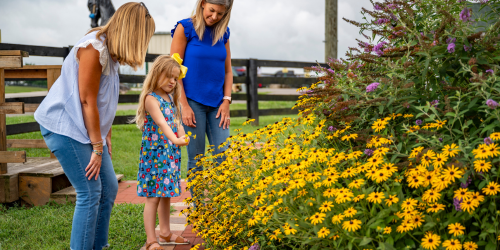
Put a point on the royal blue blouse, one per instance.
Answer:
(204, 82)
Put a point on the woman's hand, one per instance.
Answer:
(188, 116)
(224, 114)
(108, 143)
(94, 166)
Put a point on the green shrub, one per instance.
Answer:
(395, 147)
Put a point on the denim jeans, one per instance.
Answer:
(205, 123)
(94, 198)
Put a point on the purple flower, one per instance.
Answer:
(488, 141)
(330, 128)
(418, 122)
(391, 6)
(434, 43)
(372, 87)
(331, 71)
(492, 104)
(378, 48)
(451, 48)
(382, 21)
(465, 15)
(435, 103)
(467, 183)
(456, 203)
(368, 152)
(451, 40)
(440, 139)
(467, 48)
(490, 71)
(378, 7)
(254, 247)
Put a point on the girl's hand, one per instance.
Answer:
(224, 114)
(188, 116)
(182, 141)
(94, 166)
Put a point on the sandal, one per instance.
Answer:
(148, 245)
(178, 241)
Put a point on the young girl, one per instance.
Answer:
(159, 177)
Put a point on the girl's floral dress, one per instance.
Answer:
(159, 168)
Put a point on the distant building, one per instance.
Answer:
(159, 44)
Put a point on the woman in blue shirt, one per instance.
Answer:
(203, 41)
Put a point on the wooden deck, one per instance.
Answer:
(36, 182)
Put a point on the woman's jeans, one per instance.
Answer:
(94, 198)
(205, 123)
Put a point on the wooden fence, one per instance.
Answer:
(252, 81)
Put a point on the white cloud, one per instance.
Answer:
(277, 30)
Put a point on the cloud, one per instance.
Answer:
(276, 30)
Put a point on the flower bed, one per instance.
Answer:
(395, 148)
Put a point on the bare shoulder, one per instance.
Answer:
(151, 102)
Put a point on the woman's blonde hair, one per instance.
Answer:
(162, 65)
(128, 33)
(220, 27)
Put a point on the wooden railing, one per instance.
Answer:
(252, 81)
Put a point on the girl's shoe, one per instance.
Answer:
(148, 245)
(178, 241)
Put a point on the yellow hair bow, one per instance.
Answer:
(184, 69)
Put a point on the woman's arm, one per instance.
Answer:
(228, 85)
(179, 43)
(89, 76)
(153, 107)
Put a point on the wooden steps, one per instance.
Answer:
(36, 182)
(69, 193)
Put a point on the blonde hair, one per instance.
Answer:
(163, 64)
(128, 33)
(220, 28)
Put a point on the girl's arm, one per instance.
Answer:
(181, 132)
(89, 76)
(153, 107)
(179, 43)
(228, 85)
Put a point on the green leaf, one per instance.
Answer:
(491, 246)
(474, 233)
(365, 241)
(481, 185)
(429, 225)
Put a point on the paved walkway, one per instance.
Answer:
(127, 194)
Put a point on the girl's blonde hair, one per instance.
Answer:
(220, 27)
(128, 33)
(163, 64)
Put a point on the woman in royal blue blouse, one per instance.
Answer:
(203, 41)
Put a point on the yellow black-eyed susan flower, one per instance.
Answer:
(351, 225)
(491, 189)
(453, 244)
(431, 241)
(456, 229)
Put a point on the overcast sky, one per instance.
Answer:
(263, 29)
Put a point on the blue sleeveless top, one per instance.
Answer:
(204, 82)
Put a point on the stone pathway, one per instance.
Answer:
(127, 194)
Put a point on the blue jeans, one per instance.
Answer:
(94, 198)
(205, 123)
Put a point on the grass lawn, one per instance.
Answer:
(127, 141)
(49, 227)
(21, 89)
